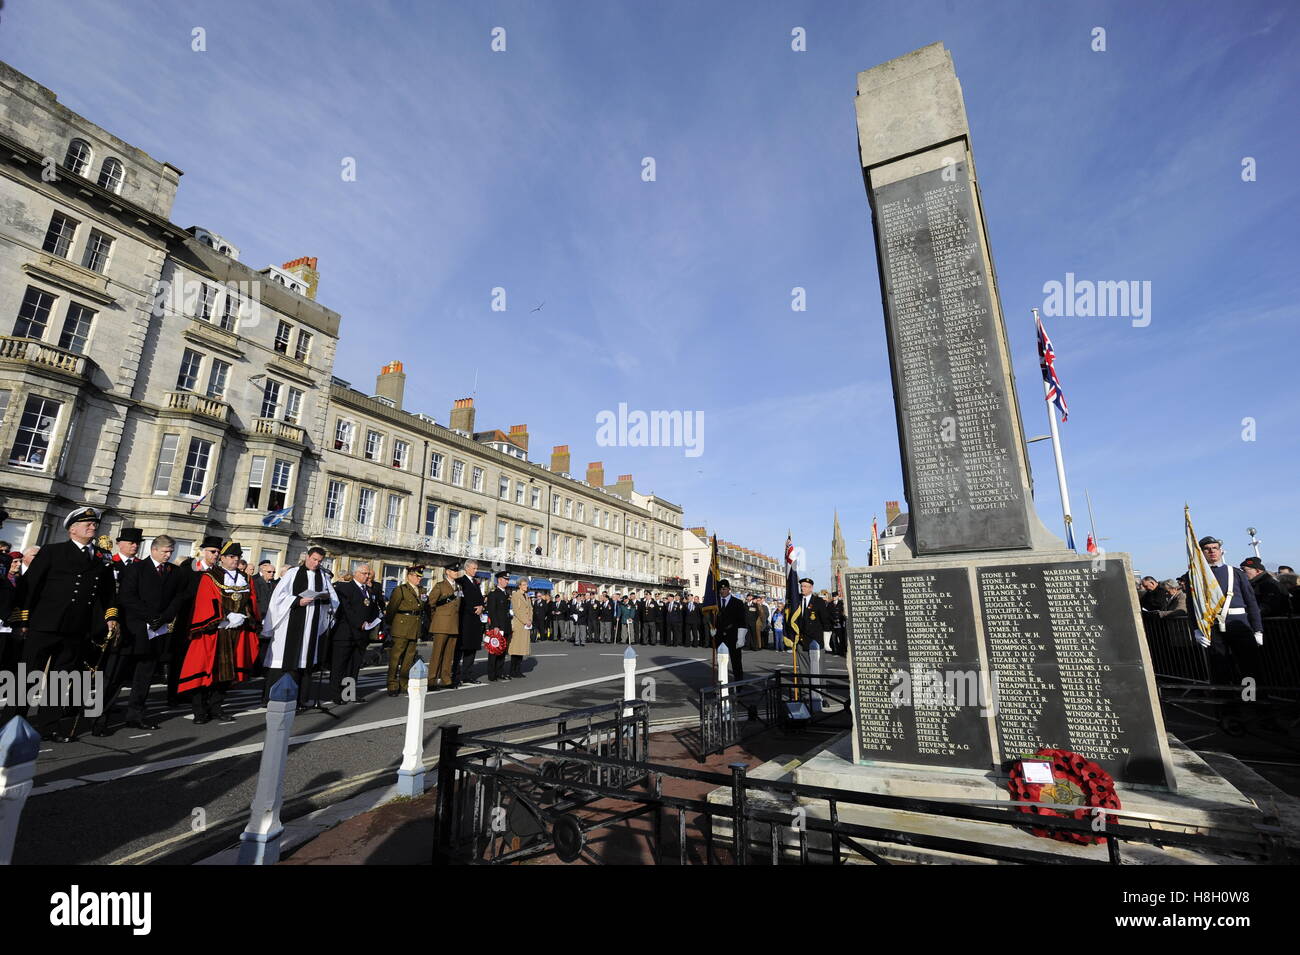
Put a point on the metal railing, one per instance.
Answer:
(734, 711)
(493, 790)
(507, 802)
(1176, 657)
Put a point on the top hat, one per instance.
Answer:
(130, 535)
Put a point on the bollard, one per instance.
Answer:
(410, 778)
(724, 666)
(629, 678)
(814, 670)
(19, 747)
(259, 843)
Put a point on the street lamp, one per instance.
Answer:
(1253, 543)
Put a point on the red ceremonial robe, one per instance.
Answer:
(212, 648)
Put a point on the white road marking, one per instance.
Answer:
(141, 736)
(251, 748)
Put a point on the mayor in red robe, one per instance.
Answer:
(223, 637)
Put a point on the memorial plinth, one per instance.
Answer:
(989, 639)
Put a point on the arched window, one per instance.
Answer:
(111, 174)
(78, 157)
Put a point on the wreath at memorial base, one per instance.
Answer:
(1076, 780)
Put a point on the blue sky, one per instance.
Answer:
(522, 170)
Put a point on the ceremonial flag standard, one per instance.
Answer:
(1208, 601)
(709, 604)
(874, 557)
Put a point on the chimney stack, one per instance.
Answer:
(560, 459)
(391, 383)
(305, 269)
(596, 474)
(891, 511)
(623, 487)
(519, 436)
(462, 415)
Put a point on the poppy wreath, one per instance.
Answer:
(494, 641)
(1074, 779)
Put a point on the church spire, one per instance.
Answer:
(838, 551)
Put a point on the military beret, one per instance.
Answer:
(1208, 540)
(1254, 562)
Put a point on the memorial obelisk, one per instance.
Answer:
(1028, 644)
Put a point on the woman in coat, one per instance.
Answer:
(521, 621)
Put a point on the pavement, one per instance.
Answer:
(181, 793)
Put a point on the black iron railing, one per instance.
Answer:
(732, 712)
(1177, 658)
(479, 819)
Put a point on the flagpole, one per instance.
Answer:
(1091, 520)
(1056, 451)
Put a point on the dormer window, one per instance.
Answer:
(111, 174)
(77, 158)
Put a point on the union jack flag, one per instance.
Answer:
(789, 550)
(1047, 362)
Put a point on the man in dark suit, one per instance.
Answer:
(356, 624)
(67, 593)
(675, 617)
(694, 619)
(264, 584)
(809, 618)
(472, 626)
(498, 611)
(731, 627)
(145, 590)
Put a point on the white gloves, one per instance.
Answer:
(374, 623)
(1259, 637)
(234, 620)
(1202, 639)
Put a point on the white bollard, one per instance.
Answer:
(259, 843)
(410, 778)
(724, 666)
(19, 746)
(814, 669)
(629, 679)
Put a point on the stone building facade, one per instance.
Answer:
(146, 370)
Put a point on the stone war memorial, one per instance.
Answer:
(984, 638)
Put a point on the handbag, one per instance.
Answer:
(494, 641)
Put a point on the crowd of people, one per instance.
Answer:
(1277, 595)
(106, 610)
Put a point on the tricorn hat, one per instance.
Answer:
(232, 548)
(81, 514)
(131, 535)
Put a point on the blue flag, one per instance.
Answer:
(274, 518)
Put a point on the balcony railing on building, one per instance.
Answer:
(198, 404)
(38, 353)
(465, 550)
(274, 428)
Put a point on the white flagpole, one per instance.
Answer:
(1056, 449)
